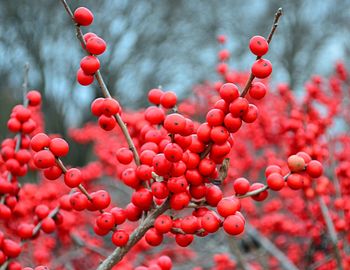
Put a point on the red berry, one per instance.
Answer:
(83, 16)
(261, 195)
(210, 222)
(241, 186)
(173, 152)
(96, 45)
(53, 172)
(251, 115)
(213, 196)
(160, 190)
(314, 169)
(175, 123)
(275, 181)
(219, 134)
(229, 92)
(90, 64)
(73, 178)
(258, 45)
(59, 147)
(42, 211)
(239, 107)
(124, 155)
(119, 215)
(184, 240)
(107, 123)
(13, 125)
(215, 117)
(228, 206)
(142, 198)
(11, 248)
(105, 221)
(179, 201)
(273, 169)
(233, 225)
(295, 181)
(296, 163)
(34, 98)
(44, 159)
(83, 78)
(97, 106)
(163, 224)
(120, 238)
(168, 99)
(48, 225)
(257, 90)
(262, 68)
(190, 224)
(39, 142)
(153, 237)
(154, 96)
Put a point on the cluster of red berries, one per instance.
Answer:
(93, 44)
(106, 109)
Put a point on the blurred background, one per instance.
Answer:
(151, 43)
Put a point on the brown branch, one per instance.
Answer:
(241, 262)
(278, 15)
(331, 232)
(270, 248)
(119, 253)
(104, 88)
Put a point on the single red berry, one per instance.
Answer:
(39, 142)
(233, 225)
(296, 163)
(262, 68)
(107, 123)
(190, 224)
(34, 98)
(228, 206)
(154, 96)
(105, 221)
(257, 90)
(239, 107)
(258, 45)
(83, 78)
(175, 123)
(59, 147)
(160, 190)
(164, 262)
(241, 186)
(154, 115)
(120, 238)
(48, 225)
(124, 155)
(97, 106)
(215, 117)
(168, 99)
(210, 222)
(213, 196)
(53, 172)
(90, 64)
(251, 115)
(179, 201)
(184, 240)
(232, 124)
(44, 159)
(83, 16)
(142, 198)
(163, 224)
(14, 125)
(273, 169)
(314, 169)
(295, 181)
(101, 199)
(25, 231)
(96, 45)
(219, 134)
(173, 152)
(153, 237)
(229, 92)
(42, 211)
(119, 215)
(275, 181)
(11, 248)
(73, 177)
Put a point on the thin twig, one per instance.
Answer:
(270, 248)
(119, 253)
(104, 88)
(278, 15)
(331, 231)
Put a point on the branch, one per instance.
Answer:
(270, 248)
(119, 253)
(278, 15)
(331, 231)
(104, 88)
(241, 262)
